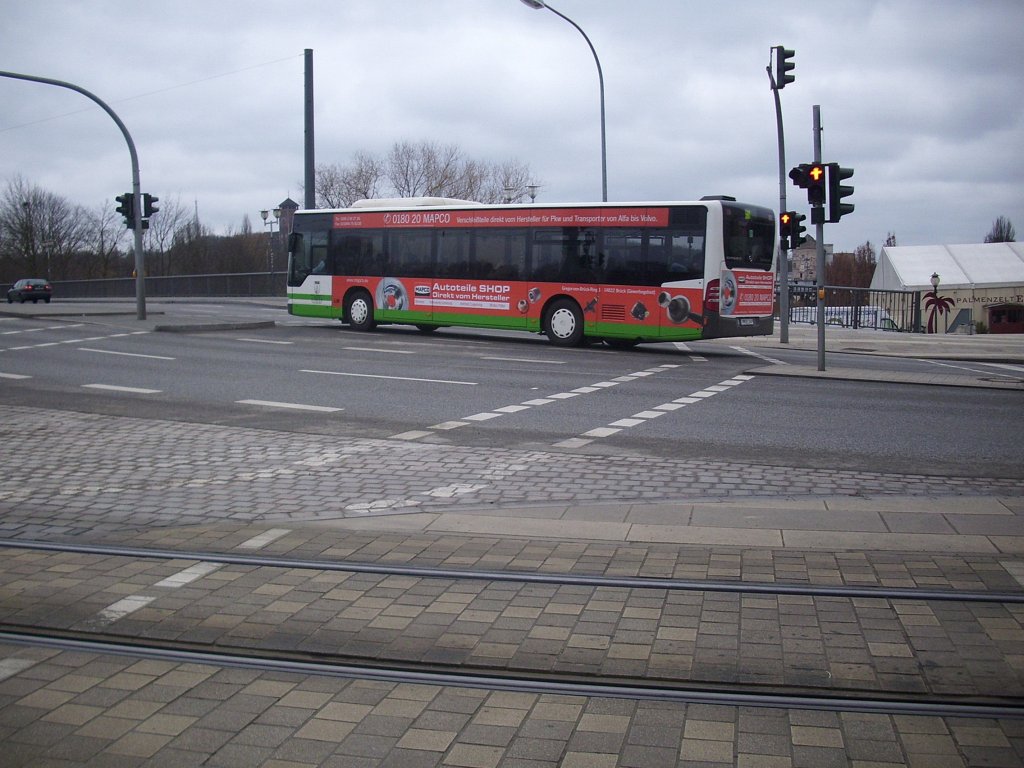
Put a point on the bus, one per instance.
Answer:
(622, 273)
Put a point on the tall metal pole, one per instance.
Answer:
(310, 165)
(140, 271)
(537, 5)
(784, 254)
(819, 233)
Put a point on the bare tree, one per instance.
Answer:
(339, 186)
(43, 232)
(1002, 231)
(890, 241)
(162, 233)
(423, 169)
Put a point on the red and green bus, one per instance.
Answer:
(623, 273)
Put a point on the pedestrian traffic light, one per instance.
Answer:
(783, 65)
(148, 209)
(837, 191)
(127, 208)
(791, 230)
(816, 184)
(810, 176)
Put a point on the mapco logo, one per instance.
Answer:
(422, 290)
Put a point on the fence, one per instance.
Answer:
(858, 308)
(848, 307)
(237, 284)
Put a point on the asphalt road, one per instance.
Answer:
(493, 390)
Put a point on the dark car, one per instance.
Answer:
(30, 290)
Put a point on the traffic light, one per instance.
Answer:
(783, 65)
(127, 208)
(810, 176)
(837, 191)
(816, 184)
(791, 229)
(148, 209)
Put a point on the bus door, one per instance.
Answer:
(675, 260)
(409, 266)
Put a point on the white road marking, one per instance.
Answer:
(292, 406)
(187, 576)
(265, 341)
(392, 378)
(261, 540)
(760, 356)
(525, 360)
(114, 388)
(386, 351)
(11, 667)
(13, 376)
(123, 607)
(124, 354)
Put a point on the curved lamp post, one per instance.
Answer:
(539, 5)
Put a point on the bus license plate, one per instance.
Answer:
(746, 322)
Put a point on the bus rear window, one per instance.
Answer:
(749, 236)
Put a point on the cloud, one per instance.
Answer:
(920, 98)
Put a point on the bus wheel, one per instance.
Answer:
(426, 328)
(564, 323)
(359, 311)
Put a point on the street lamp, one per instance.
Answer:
(269, 222)
(540, 4)
(531, 190)
(935, 282)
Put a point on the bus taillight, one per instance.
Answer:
(712, 295)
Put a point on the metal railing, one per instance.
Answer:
(858, 308)
(229, 284)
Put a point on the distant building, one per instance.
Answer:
(804, 260)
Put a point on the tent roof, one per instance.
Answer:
(979, 265)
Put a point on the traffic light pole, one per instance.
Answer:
(140, 280)
(783, 253)
(818, 216)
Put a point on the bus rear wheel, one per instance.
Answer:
(359, 311)
(563, 323)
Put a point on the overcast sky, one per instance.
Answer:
(923, 99)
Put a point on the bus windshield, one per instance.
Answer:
(749, 233)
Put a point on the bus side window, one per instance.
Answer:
(623, 257)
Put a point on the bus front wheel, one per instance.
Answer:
(359, 311)
(564, 323)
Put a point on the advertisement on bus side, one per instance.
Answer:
(747, 292)
(521, 304)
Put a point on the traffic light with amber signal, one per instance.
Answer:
(810, 176)
(791, 230)
(837, 191)
(783, 66)
(126, 208)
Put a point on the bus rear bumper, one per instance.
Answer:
(717, 327)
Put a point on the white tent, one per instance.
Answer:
(985, 265)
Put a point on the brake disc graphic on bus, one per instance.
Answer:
(391, 294)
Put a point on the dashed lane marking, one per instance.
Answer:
(124, 354)
(391, 378)
(291, 406)
(644, 416)
(115, 388)
(534, 403)
(261, 540)
(758, 355)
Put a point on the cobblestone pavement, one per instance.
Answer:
(83, 473)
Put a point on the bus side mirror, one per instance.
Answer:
(294, 242)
